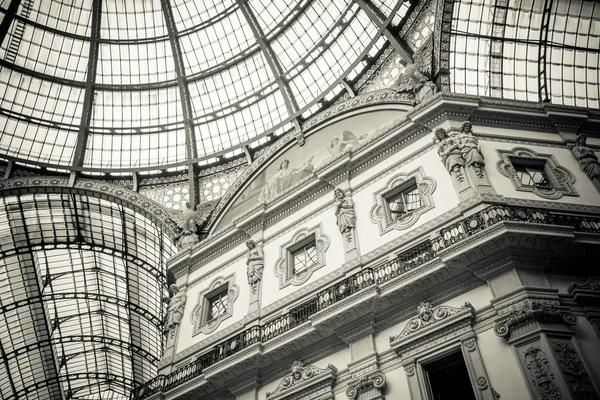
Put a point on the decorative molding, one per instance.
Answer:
(482, 383)
(592, 284)
(573, 369)
(200, 311)
(427, 316)
(366, 383)
(283, 265)
(470, 344)
(540, 374)
(298, 384)
(533, 311)
(561, 179)
(380, 213)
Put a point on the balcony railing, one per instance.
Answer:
(402, 263)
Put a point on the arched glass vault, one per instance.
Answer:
(81, 288)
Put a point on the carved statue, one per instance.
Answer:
(451, 154)
(587, 158)
(175, 310)
(470, 149)
(255, 264)
(417, 75)
(189, 219)
(344, 211)
(284, 178)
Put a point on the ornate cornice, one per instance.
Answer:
(533, 311)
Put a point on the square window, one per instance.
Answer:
(217, 304)
(404, 201)
(304, 257)
(531, 173)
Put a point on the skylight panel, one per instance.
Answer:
(269, 14)
(48, 53)
(135, 64)
(188, 14)
(132, 19)
(73, 17)
(216, 43)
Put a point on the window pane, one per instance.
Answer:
(404, 202)
(305, 257)
(218, 305)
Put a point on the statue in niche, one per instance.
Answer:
(344, 211)
(175, 309)
(416, 77)
(284, 178)
(587, 159)
(470, 150)
(451, 154)
(348, 141)
(255, 264)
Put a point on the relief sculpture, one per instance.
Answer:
(284, 178)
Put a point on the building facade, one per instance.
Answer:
(458, 235)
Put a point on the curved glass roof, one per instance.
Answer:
(106, 85)
(81, 288)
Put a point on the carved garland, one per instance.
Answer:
(561, 178)
(575, 372)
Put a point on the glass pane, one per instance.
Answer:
(305, 257)
(218, 305)
(404, 202)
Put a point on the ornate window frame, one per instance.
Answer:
(284, 265)
(200, 311)
(561, 179)
(435, 332)
(380, 212)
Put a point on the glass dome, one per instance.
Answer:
(108, 85)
